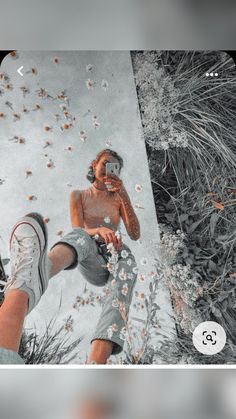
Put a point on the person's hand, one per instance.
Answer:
(113, 183)
(109, 236)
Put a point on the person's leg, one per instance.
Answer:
(111, 328)
(71, 250)
(12, 315)
(92, 266)
(61, 257)
(77, 248)
(100, 351)
(28, 281)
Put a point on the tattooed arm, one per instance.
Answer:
(128, 215)
(126, 210)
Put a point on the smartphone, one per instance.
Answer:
(112, 169)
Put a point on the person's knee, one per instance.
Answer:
(79, 236)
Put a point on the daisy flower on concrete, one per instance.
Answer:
(50, 164)
(138, 188)
(83, 136)
(108, 143)
(104, 85)
(89, 67)
(96, 124)
(90, 84)
(143, 261)
(141, 277)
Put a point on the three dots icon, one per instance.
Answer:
(212, 74)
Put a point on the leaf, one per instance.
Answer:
(216, 312)
(212, 266)
(213, 221)
(169, 217)
(211, 194)
(194, 226)
(218, 205)
(183, 217)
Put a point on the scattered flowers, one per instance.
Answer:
(90, 84)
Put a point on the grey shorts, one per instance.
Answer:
(119, 279)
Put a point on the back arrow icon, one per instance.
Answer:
(19, 71)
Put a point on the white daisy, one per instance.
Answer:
(125, 289)
(143, 261)
(138, 188)
(89, 84)
(115, 303)
(123, 333)
(124, 254)
(89, 67)
(104, 85)
(81, 241)
(135, 270)
(122, 275)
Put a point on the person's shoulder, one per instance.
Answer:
(80, 194)
(75, 195)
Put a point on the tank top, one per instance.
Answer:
(100, 208)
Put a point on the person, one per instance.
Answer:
(94, 246)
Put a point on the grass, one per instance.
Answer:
(189, 128)
(52, 347)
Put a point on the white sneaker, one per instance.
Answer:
(29, 261)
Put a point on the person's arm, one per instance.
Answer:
(126, 210)
(128, 215)
(76, 210)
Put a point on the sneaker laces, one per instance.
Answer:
(23, 249)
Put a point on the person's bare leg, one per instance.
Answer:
(61, 256)
(15, 305)
(12, 315)
(100, 351)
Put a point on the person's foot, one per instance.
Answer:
(29, 263)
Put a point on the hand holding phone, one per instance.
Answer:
(112, 181)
